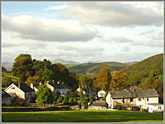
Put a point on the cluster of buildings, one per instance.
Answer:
(131, 97)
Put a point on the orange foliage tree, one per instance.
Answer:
(119, 80)
(104, 78)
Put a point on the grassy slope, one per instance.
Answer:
(14, 78)
(141, 70)
(93, 68)
(82, 116)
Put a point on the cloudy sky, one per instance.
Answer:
(82, 31)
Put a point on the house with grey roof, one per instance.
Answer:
(6, 98)
(87, 91)
(98, 105)
(59, 88)
(21, 90)
(138, 97)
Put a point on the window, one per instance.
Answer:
(13, 88)
(147, 99)
(131, 100)
(139, 99)
(159, 107)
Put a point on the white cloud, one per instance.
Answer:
(52, 30)
(118, 13)
(150, 43)
(56, 7)
(118, 39)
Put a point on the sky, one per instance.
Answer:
(82, 31)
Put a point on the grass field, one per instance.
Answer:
(82, 116)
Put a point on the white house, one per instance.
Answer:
(101, 94)
(139, 97)
(21, 90)
(155, 107)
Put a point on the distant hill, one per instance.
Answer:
(7, 65)
(93, 68)
(64, 62)
(130, 63)
(140, 71)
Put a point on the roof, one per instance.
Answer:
(99, 103)
(59, 86)
(87, 89)
(5, 94)
(139, 93)
(25, 88)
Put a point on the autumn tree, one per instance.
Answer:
(119, 80)
(104, 78)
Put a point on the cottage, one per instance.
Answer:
(87, 91)
(139, 97)
(21, 90)
(98, 105)
(62, 89)
(6, 98)
(155, 107)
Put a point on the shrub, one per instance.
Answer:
(79, 105)
(70, 100)
(120, 107)
(74, 100)
(85, 103)
(59, 100)
(65, 99)
(18, 101)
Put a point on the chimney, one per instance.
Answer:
(31, 85)
(19, 85)
(53, 81)
(40, 83)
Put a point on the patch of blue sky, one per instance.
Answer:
(36, 9)
(161, 3)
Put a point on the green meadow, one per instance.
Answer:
(82, 116)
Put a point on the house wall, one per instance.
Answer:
(96, 108)
(143, 101)
(109, 100)
(50, 87)
(29, 95)
(155, 108)
(15, 90)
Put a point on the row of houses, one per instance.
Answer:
(143, 98)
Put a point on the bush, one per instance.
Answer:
(65, 100)
(79, 105)
(18, 101)
(70, 100)
(59, 100)
(74, 100)
(85, 103)
(120, 107)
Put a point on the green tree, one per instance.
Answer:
(22, 67)
(4, 69)
(6, 81)
(47, 75)
(44, 95)
(104, 78)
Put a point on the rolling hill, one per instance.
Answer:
(93, 68)
(138, 72)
